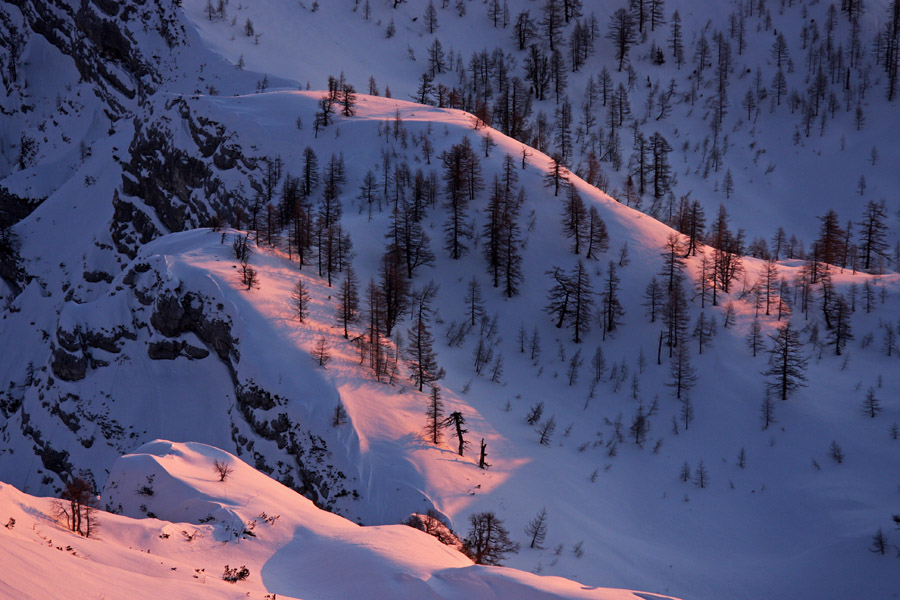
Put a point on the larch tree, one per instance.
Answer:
(322, 351)
(571, 300)
(431, 17)
(597, 235)
(462, 179)
(435, 422)
(300, 300)
(754, 337)
(612, 310)
(873, 234)
(840, 332)
(787, 365)
(557, 177)
(675, 316)
(77, 505)
(474, 301)
(552, 18)
(487, 541)
(421, 357)
(348, 301)
(660, 168)
(394, 289)
(456, 420)
(622, 33)
(682, 374)
(536, 530)
(831, 243)
(559, 296)
(871, 405)
(575, 219)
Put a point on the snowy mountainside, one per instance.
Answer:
(127, 319)
(202, 525)
(785, 169)
(381, 451)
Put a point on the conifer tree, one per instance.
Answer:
(840, 332)
(873, 231)
(609, 299)
(348, 301)
(582, 302)
(322, 351)
(597, 236)
(536, 530)
(676, 40)
(871, 405)
(435, 416)
(622, 34)
(787, 366)
(456, 420)
(300, 299)
(431, 17)
(654, 299)
(462, 179)
(557, 178)
(552, 21)
(487, 541)
(682, 374)
(420, 350)
(394, 290)
(474, 301)
(559, 296)
(754, 337)
(575, 219)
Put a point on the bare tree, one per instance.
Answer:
(787, 366)
(487, 542)
(622, 34)
(300, 299)
(222, 468)
(456, 420)
(435, 416)
(536, 529)
(322, 351)
(546, 429)
(77, 506)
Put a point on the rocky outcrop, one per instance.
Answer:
(71, 355)
(165, 178)
(130, 227)
(68, 366)
(172, 349)
(100, 37)
(173, 316)
(318, 479)
(180, 185)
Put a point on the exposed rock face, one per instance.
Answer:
(14, 208)
(170, 182)
(180, 186)
(172, 349)
(130, 227)
(100, 36)
(173, 316)
(319, 480)
(71, 355)
(68, 367)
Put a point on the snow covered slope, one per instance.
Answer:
(785, 169)
(126, 317)
(203, 525)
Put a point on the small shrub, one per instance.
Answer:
(235, 574)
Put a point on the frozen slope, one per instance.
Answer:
(291, 548)
(788, 521)
(623, 504)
